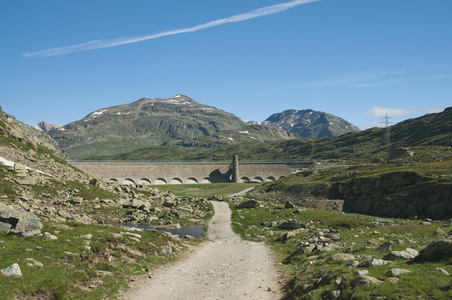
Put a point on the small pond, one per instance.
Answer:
(193, 230)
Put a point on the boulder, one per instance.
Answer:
(292, 224)
(395, 272)
(436, 251)
(19, 221)
(342, 256)
(289, 205)
(406, 254)
(249, 204)
(12, 271)
(384, 247)
(365, 280)
(373, 262)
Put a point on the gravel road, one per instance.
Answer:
(226, 267)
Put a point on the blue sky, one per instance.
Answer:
(357, 59)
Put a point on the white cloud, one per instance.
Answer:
(371, 78)
(380, 112)
(98, 44)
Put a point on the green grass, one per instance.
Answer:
(99, 272)
(360, 235)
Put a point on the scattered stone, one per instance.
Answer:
(362, 272)
(289, 205)
(19, 221)
(439, 231)
(373, 262)
(33, 262)
(407, 254)
(249, 204)
(441, 270)
(352, 264)
(397, 272)
(393, 280)
(342, 256)
(87, 236)
(12, 271)
(384, 247)
(167, 249)
(116, 235)
(292, 224)
(50, 236)
(68, 253)
(365, 280)
(77, 200)
(436, 251)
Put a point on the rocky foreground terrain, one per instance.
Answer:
(60, 229)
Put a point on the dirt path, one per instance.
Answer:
(226, 267)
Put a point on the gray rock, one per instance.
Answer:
(34, 262)
(116, 235)
(50, 236)
(336, 294)
(397, 272)
(436, 251)
(167, 249)
(441, 270)
(362, 272)
(12, 271)
(292, 224)
(20, 221)
(393, 280)
(352, 264)
(289, 205)
(343, 256)
(373, 262)
(384, 247)
(406, 254)
(365, 280)
(87, 236)
(249, 204)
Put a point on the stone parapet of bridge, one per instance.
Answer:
(188, 173)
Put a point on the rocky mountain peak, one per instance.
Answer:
(46, 126)
(310, 123)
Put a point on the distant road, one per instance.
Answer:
(242, 192)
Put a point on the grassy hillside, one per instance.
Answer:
(357, 147)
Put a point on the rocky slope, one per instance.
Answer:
(310, 123)
(36, 177)
(152, 122)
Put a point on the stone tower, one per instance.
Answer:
(235, 168)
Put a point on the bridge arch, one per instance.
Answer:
(258, 179)
(160, 181)
(176, 181)
(113, 181)
(271, 178)
(206, 180)
(144, 181)
(192, 180)
(128, 181)
(245, 179)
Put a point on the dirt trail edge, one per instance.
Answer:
(226, 267)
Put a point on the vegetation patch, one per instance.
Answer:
(326, 255)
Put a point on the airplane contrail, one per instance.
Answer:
(98, 44)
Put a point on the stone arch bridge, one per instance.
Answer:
(189, 173)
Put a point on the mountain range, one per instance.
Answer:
(152, 122)
(181, 120)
